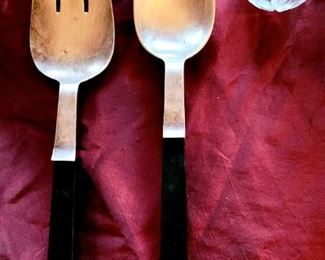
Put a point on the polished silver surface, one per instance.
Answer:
(174, 30)
(70, 45)
(276, 5)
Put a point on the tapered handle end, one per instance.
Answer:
(67, 154)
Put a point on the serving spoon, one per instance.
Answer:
(174, 31)
(71, 41)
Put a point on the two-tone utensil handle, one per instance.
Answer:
(174, 213)
(65, 176)
(174, 202)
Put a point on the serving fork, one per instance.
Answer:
(71, 41)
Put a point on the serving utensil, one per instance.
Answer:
(174, 30)
(71, 41)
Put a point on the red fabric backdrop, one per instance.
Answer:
(255, 147)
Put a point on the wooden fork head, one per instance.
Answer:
(72, 44)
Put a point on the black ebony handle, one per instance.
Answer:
(174, 213)
(62, 222)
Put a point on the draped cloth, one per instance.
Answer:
(254, 149)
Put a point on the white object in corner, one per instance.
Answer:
(276, 5)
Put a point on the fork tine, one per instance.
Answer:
(72, 6)
(97, 6)
(50, 6)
